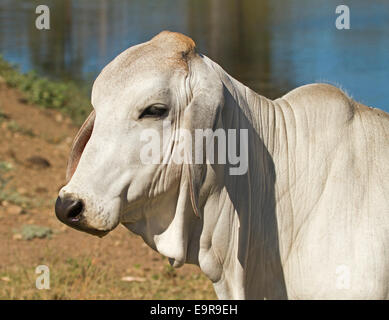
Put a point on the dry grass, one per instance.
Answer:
(86, 278)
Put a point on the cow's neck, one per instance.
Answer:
(240, 233)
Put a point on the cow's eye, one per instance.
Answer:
(154, 111)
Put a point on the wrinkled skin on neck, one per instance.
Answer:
(226, 225)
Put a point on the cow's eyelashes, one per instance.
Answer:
(154, 111)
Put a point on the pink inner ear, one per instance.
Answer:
(79, 144)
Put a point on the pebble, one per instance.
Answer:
(131, 279)
(14, 209)
(21, 190)
(17, 236)
(41, 190)
(38, 162)
(5, 203)
(69, 140)
(58, 117)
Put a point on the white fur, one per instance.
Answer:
(310, 219)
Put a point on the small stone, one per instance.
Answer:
(132, 279)
(38, 162)
(59, 117)
(14, 210)
(17, 236)
(69, 140)
(5, 203)
(41, 190)
(23, 100)
(21, 190)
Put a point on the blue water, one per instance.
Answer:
(272, 46)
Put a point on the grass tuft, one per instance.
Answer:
(31, 231)
(65, 96)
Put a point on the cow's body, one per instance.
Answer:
(309, 219)
(328, 220)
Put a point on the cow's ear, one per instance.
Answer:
(79, 144)
(203, 112)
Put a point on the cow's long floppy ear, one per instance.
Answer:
(203, 112)
(79, 144)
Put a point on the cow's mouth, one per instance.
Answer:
(95, 232)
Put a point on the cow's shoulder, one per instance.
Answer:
(322, 101)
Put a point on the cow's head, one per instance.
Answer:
(158, 83)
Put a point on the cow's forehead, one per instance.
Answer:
(165, 53)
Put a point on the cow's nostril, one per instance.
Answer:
(69, 210)
(75, 210)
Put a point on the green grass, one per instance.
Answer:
(3, 116)
(5, 166)
(16, 128)
(65, 96)
(9, 194)
(31, 231)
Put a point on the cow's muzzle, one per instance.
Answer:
(70, 212)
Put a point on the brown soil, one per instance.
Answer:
(36, 143)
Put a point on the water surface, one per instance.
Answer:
(272, 46)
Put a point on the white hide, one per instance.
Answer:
(309, 219)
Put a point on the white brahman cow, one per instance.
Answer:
(308, 219)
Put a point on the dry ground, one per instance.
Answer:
(34, 146)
